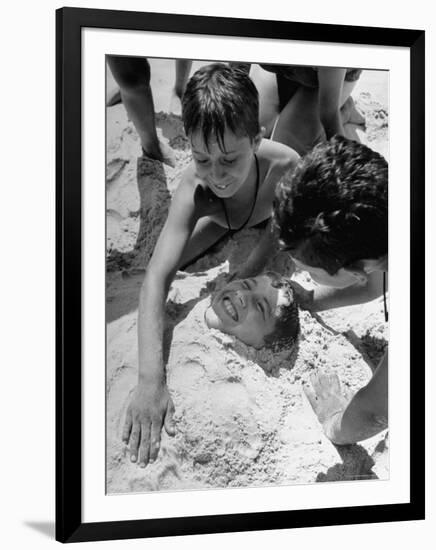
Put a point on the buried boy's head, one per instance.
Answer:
(261, 311)
(332, 212)
(221, 118)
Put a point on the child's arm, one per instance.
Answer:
(330, 82)
(322, 298)
(362, 417)
(151, 406)
(256, 261)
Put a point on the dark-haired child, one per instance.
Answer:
(229, 185)
(260, 311)
(332, 216)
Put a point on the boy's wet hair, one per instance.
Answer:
(287, 326)
(333, 209)
(217, 97)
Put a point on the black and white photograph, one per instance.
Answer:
(247, 283)
(218, 242)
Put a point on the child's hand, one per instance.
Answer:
(151, 407)
(325, 397)
(303, 297)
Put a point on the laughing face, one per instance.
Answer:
(249, 309)
(224, 168)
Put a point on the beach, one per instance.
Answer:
(241, 418)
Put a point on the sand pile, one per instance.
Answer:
(241, 416)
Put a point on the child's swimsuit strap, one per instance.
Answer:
(253, 205)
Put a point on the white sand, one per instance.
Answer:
(241, 417)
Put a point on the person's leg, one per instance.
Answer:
(206, 233)
(266, 84)
(351, 118)
(349, 112)
(299, 125)
(132, 75)
(183, 68)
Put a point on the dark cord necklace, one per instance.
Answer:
(384, 296)
(252, 207)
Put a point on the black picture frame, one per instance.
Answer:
(69, 525)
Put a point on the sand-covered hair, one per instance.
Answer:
(217, 97)
(287, 326)
(332, 210)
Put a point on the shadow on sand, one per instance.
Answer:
(356, 465)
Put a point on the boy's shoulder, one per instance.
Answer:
(276, 158)
(277, 154)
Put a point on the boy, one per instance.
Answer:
(260, 311)
(332, 216)
(229, 185)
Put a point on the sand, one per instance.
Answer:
(241, 416)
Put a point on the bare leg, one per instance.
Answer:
(132, 74)
(299, 125)
(206, 233)
(183, 68)
(349, 112)
(351, 118)
(266, 84)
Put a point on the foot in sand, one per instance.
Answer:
(164, 154)
(350, 114)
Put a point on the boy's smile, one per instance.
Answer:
(224, 169)
(230, 308)
(247, 309)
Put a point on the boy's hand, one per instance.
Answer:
(325, 397)
(303, 297)
(151, 407)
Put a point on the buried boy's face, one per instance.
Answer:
(224, 167)
(248, 309)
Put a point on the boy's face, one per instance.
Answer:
(248, 309)
(224, 172)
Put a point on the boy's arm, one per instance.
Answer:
(265, 249)
(330, 81)
(362, 417)
(151, 406)
(322, 298)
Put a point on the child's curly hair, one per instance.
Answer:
(217, 97)
(333, 209)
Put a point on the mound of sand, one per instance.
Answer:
(241, 416)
